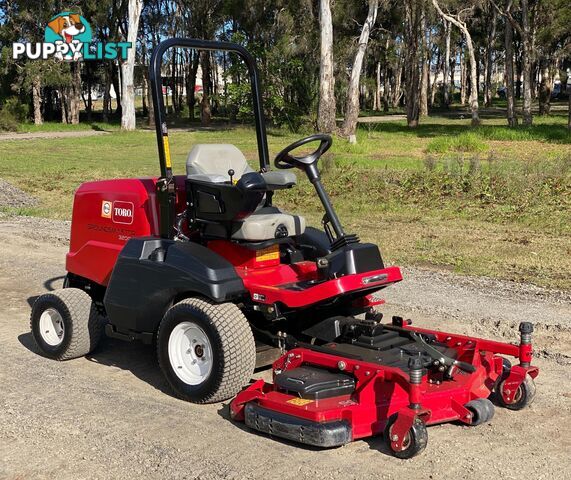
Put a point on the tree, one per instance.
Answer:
(458, 22)
(413, 14)
(524, 30)
(349, 127)
(446, 69)
(509, 72)
(490, 39)
(128, 67)
(326, 109)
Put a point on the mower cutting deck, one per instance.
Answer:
(390, 378)
(207, 268)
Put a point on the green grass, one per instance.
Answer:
(486, 201)
(64, 127)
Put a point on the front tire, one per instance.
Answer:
(482, 411)
(206, 350)
(414, 442)
(519, 399)
(65, 324)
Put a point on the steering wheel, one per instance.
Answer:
(285, 160)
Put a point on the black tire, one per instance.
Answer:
(506, 369)
(415, 440)
(232, 349)
(482, 411)
(82, 326)
(522, 397)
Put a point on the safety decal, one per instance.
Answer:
(300, 402)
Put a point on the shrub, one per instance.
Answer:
(7, 121)
(12, 113)
(17, 109)
(465, 143)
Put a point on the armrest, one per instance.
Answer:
(277, 180)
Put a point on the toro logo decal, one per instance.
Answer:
(123, 212)
(118, 211)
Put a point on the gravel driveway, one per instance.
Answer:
(110, 415)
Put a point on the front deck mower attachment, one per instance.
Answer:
(395, 379)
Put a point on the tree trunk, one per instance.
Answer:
(107, 94)
(89, 107)
(64, 104)
(128, 67)
(378, 88)
(446, 71)
(526, 63)
(489, 59)
(509, 65)
(434, 85)
(37, 99)
(569, 114)
(424, 70)
(116, 88)
(463, 78)
(349, 127)
(326, 109)
(413, 14)
(471, 55)
(75, 93)
(397, 94)
(191, 85)
(545, 88)
(205, 112)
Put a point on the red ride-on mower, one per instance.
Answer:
(221, 280)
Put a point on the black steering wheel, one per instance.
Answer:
(285, 160)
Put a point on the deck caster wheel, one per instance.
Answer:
(206, 350)
(521, 398)
(482, 411)
(65, 324)
(506, 368)
(414, 442)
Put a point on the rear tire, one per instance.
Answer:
(206, 350)
(65, 324)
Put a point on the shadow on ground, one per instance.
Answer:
(134, 357)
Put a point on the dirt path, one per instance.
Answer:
(110, 416)
(36, 135)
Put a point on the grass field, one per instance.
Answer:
(487, 201)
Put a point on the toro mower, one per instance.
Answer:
(208, 269)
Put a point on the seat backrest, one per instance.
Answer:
(211, 162)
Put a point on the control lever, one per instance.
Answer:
(438, 355)
(431, 351)
(231, 173)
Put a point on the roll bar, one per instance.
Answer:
(165, 185)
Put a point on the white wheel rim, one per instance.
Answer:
(190, 353)
(51, 327)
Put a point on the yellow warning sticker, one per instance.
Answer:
(270, 253)
(300, 402)
(167, 151)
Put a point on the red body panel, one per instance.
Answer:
(270, 281)
(382, 391)
(106, 214)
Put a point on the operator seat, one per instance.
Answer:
(211, 163)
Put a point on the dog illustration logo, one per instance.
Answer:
(71, 29)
